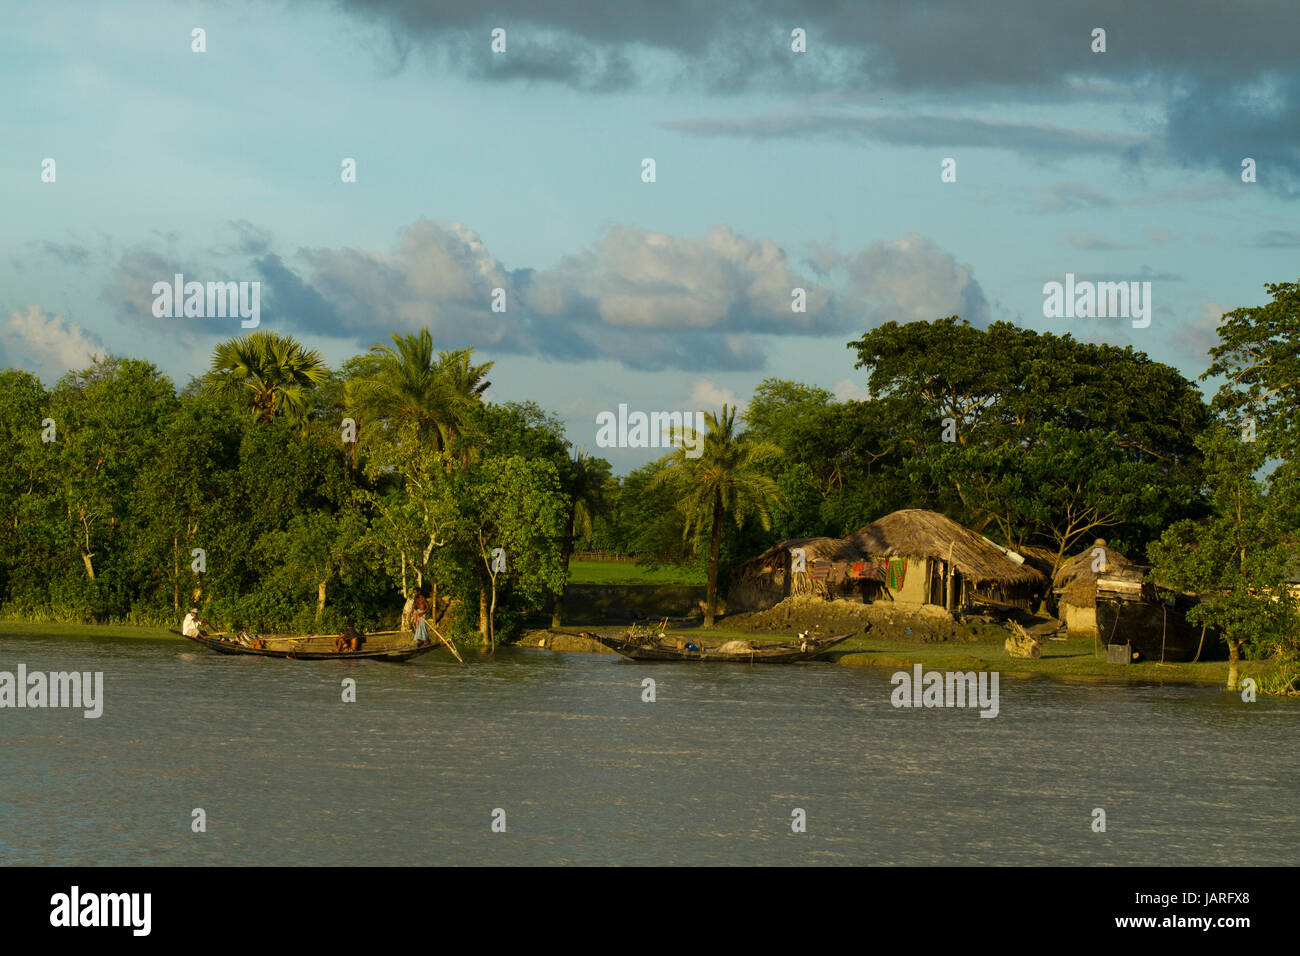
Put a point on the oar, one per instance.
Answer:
(451, 647)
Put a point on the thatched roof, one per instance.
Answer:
(916, 533)
(1042, 560)
(1077, 581)
(776, 557)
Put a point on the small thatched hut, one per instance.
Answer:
(944, 563)
(829, 568)
(1075, 585)
(909, 557)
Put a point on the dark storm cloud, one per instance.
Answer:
(1201, 64)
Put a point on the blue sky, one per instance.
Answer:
(522, 171)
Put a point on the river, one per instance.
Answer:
(586, 772)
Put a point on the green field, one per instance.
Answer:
(42, 629)
(627, 572)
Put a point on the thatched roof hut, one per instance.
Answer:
(832, 568)
(1075, 582)
(911, 556)
(927, 535)
(1042, 560)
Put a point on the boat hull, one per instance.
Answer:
(1157, 630)
(381, 646)
(789, 652)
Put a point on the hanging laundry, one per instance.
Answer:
(897, 572)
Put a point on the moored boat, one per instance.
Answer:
(660, 648)
(1151, 620)
(379, 646)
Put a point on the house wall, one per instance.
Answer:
(1083, 619)
(916, 584)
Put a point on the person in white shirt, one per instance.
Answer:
(191, 626)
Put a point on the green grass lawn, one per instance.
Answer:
(1074, 658)
(42, 629)
(627, 572)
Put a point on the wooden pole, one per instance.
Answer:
(451, 647)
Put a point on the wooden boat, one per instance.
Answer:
(1151, 620)
(378, 646)
(657, 648)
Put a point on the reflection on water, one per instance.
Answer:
(588, 773)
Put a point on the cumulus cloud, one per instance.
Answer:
(847, 390)
(913, 279)
(710, 396)
(46, 344)
(646, 299)
(130, 285)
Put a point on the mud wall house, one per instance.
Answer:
(911, 557)
(1074, 587)
(829, 568)
(931, 559)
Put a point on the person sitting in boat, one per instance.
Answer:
(349, 641)
(190, 627)
(419, 622)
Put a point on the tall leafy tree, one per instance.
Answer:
(723, 478)
(1258, 356)
(407, 383)
(1238, 558)
(586, 482)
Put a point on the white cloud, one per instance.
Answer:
(46, 344)
(913, 279)
(847, 390)
(710, 396)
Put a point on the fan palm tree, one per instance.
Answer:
(722, 479)
(273, 372)
(410, 385)
(586, 482)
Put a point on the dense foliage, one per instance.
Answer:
(279, 494)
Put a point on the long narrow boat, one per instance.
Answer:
(378, 646)
(655, 648)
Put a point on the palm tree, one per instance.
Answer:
(586, 482)
(273, 372)
(409, 385)
(722, 478)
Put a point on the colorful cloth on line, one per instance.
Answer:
(819, 570)
(897, 572)
(873, 570)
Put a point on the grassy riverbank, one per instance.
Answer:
(1076, 658)
(9, 628)
(1071, 659)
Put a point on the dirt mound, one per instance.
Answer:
(923, 624)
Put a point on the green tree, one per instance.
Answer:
(1259, 356)
(407, 384)
(722, 477)
(517, 505)
(272, 373)
(1237, 558)
(586, 482)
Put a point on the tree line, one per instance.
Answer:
(1032, 438)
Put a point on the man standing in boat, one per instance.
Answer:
(418, 622)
